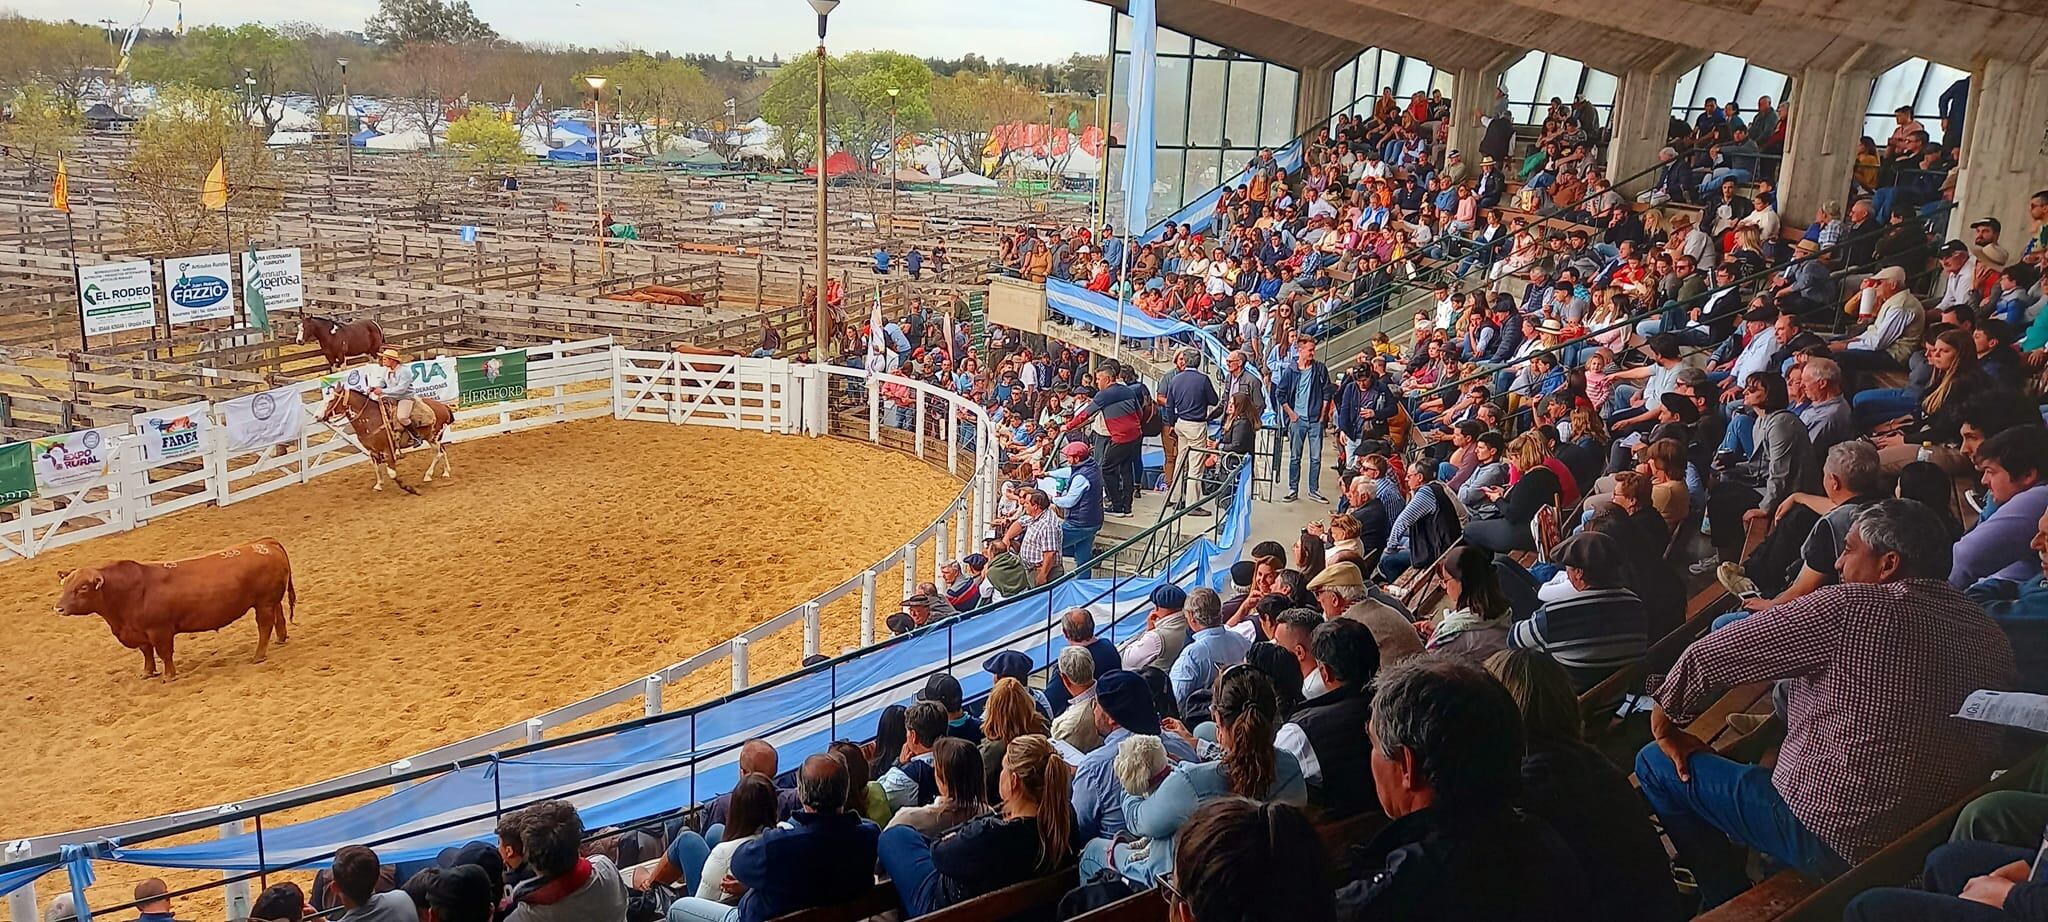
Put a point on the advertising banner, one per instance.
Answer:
(433, 378)
(262, 420)
(17, 473)
(493, 378)
(174, 432)
(199, 288)
(73, 459)
(278, 275)
(116, 296)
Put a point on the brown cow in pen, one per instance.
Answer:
(147, 604)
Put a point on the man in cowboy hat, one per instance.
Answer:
(400, 392)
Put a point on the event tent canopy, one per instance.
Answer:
(838, 164)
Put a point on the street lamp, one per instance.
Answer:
(348, 122)
(891, 233)
(819, 319)
(597, 125)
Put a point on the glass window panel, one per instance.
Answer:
(1560, 80)
(1207, 50)
(1119, 92)
(1113, 195)
(1234, 161)
(1681, 95)
(1719, 79)
(1878, 127)
(1759, 81)
(1939, 78)
(1171, 42)
(1894, 87)
(1520, 77)
(1443, 80)
(1204, 172)
(1600, 88)
(1276, 124)
(1205, 104)
(1415, 76)
(1170, 123)
(1340, 87)
(1166, 185)
(1241, 120)
(1123, 32)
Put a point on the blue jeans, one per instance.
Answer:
(1741, 437)
(1078, 543)
(1948, 869)
(1721, 621)
(1881, 203)
(692, 909)
(687, 851)
(1887, 403)
(1728, 800)
(1304, 437)
(906, 857)
(1393, 563)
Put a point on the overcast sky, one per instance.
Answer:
(1030, 31)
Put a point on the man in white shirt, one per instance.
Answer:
(1076, 725)
(1893, 335)
(1319, 207)
(1958, 276)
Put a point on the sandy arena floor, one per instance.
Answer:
(563, 562)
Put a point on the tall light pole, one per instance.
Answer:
(348, 122)
(821, 318)
(597, 125)
(891, 233)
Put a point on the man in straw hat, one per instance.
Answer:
(399, 393)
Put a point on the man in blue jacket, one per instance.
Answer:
(823, 856)
(1363, 410)
(1302, 391)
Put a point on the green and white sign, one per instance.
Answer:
(116, 296)
(492, 378)
(17, 472)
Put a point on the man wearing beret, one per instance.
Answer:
(1123, 706)
(1166, 631)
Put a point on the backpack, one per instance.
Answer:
(1149, 420)
(1437, 532)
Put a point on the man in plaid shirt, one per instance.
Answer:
(1873, 668)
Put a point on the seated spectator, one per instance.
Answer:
(462, 893)
(1491, 472)
(911, 781)
(1447, 746)
(62, 909)
(1246, 715)
(1782, 464)
(566, 886)
(154, 905)
(1536, 485)
(1166, 631)
(1474, 623)
(1210, 649)
(1962, 881)
(1850, 480)
(1588, 801)
(887, 748)
(1870, 750)
(823, 856)
(1124, 705)
(752, 806)
(2021, 608)
(1009, 715)
(961, 780)
(864, 794)
(1077, 626)
(1600, 627)
(2015, 468)
(356, 871)
(943, 689)
(283, 902)
(757, 757)
(1341, 593)
(1076, 725)
(1033, 836)
(1338, 660)
(1010, 664)
(1240, 861)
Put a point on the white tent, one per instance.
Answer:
(410, 139)
(282, 138)
(288, 118)
(975, 180)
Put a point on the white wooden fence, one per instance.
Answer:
(565, 381)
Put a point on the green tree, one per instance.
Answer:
(224, 58)
(62, 58)
(176, 145)
(45, 125)
(405, 22)
(487, 142)
(669, 98)
(858, 104)
(967, 105)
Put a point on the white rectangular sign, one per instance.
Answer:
(279, 276)
(199, 287)
(263, 420)
(174, 432)
(74, 458)
(116, 296)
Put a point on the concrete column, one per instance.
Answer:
(1312, 97)
(1826, 109)
(2005, 148)
(1472, 94)
(1642, 117)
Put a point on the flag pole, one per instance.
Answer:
(71, 246)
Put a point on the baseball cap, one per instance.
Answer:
(943, 690)
(1990, 222)
(1953, 247)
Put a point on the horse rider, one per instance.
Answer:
(398, 392)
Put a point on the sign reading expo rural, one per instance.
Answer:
(492, 378)
(199, 287)
(116, 296)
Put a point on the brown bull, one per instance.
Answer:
(147, 604)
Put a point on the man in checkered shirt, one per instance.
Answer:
(1036, 535)
(1873, 668)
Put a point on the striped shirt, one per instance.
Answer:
(1591, 634)
(1042, 534)
(1418, 507)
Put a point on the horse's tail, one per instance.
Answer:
(291, 594)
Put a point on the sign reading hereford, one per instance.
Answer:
(492, 378)
(199, 287)
(116, 296)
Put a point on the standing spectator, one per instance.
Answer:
(1031, 837)
(568, 887)
(1124, 707)
(1081, 502)
(355, 872)
(1187, 401)
(1338, 660)
(1877, 663)
(1113, 418)
(1210, 649)
(1447, 746)
(822, 857)
(1581, 794)
(1302, 390)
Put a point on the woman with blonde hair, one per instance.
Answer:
(1535, 485)
(1031, 837)
(1664, 462)
(1008, 715)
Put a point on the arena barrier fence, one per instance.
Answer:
(624, 772)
